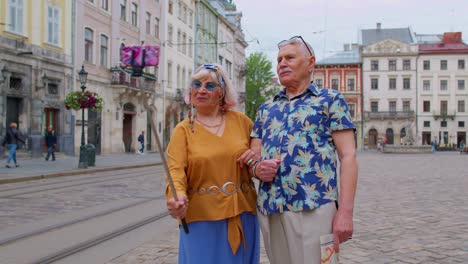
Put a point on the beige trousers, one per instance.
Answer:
(294, 237)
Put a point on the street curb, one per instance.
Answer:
(76, 172)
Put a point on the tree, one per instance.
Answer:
(258, 82)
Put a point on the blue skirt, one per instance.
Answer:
(207, 242)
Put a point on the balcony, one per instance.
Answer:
(123, 79)
(389, 115)
(443, 115)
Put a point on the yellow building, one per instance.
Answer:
(36, 70)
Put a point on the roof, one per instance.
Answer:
(371, 36)
(342, 57)
(443, 48)
(428, 38)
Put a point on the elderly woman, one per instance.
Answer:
(207, 155)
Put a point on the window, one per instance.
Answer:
(350, 84)
(104, 49)
(156, 27)
(374, 84)
(148, 23)
(461, 123)
(169, 74)
(374, 65)
(443, 85)
(461, 64)
(352, 110)
(184, 43)
(88, 45)
(335, 84)
(427, 123)
(53, 22)
(105, 4)
(392, 106)
(426, 85)
(319, 83)
(461, 84)
(443, 107)
(184, 14)
(406, 65)
(427, 65)
(179, 40)
(443, 123)
(220, 60)
(229, 69)
(443, 64)
(134, 14)
(426, 106)
(406, 83)
(123, 10)
(392, 65)
(190, 48)
(374, 107)
(406, 106)
(15, 16)
(392, 83)
(170, 33)
(461, 106)
(190, 19)
(170, 7)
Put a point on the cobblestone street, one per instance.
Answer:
(409, 209)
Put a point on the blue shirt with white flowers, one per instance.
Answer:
(298, 131)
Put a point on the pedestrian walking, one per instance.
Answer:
(207, 154)
(302, 133)
(51, 143)
(434, 145)
(141, 139)
(11, 140)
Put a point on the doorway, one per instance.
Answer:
(461, 136)
(94, 130)
(373, 138)
(127, 130)
(50, 118)
(426, 138)
(13, 110)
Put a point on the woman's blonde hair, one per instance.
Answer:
(218, 74)
(13, 125)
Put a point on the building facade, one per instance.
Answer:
(442, 79)
(343, 72)
(389, 85)
(36, 66)
(106, 26)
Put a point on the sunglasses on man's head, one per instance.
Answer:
(292, 40)
(210, 86)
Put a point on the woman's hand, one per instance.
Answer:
(177, 209)
(248, 158)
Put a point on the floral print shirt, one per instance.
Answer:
(298, 131)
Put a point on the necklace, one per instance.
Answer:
(210, 126)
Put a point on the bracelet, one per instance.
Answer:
(254, 166)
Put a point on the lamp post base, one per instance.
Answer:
(83, 163)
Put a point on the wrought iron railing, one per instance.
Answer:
(389, 115)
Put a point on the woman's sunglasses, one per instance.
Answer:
(210, 86)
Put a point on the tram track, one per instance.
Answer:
(74, 236)
(38, 188)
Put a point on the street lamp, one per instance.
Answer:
(83, 164)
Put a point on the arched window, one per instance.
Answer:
(402, 133)
(389, 136)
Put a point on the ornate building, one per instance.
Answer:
(343, 72)
(36, 70)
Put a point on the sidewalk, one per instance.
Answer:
(33, 169)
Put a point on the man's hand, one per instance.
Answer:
(266, 170)
(177, 209)
(342, 228)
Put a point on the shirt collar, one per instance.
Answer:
(311, 89)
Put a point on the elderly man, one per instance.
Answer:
(301, 133)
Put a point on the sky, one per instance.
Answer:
(329, 24)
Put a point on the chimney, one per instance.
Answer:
(379, 26)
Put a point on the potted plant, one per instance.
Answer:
(84, 100)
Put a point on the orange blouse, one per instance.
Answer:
(204, 169)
